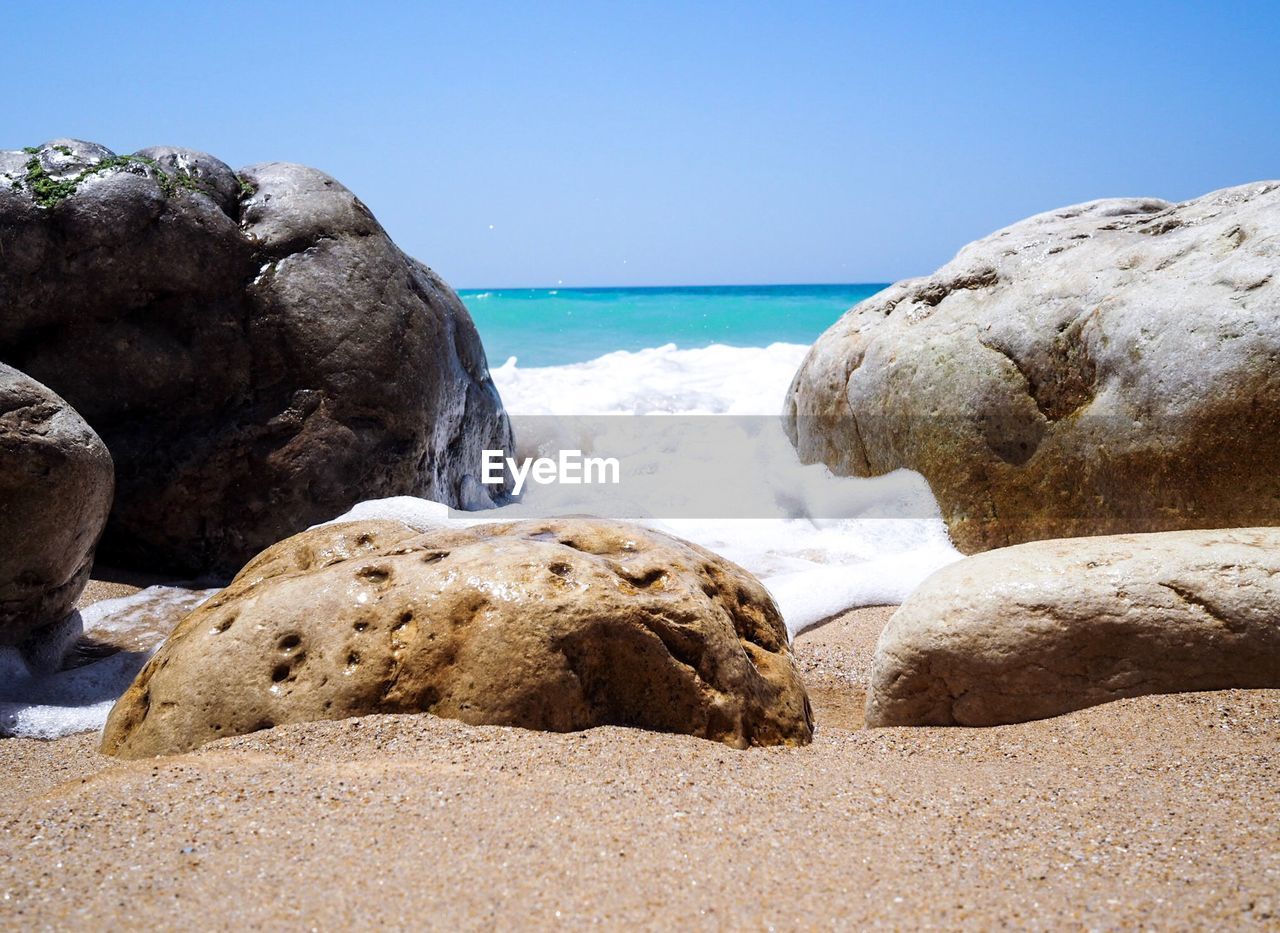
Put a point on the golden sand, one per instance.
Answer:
(1153, 811)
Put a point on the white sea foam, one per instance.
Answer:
(714, 380)
(819, 555)
(38, 700)
(817, 552)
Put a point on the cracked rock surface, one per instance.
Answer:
(255, 351)
(1048, 627)
(1103, 368)
(554, 625)
(55, 491)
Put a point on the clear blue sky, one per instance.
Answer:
(666, 143)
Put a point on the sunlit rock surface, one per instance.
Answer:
(558, 625)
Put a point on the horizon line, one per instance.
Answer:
(563, 287)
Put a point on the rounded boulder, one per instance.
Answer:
(252, 347)
(554, 625)
(1099, 369)
(1048, 627)
(56, 481)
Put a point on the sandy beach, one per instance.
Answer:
(666, 466)
(1154, 811)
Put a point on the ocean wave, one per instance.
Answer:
(713, 380)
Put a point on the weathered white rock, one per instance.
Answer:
(1104, 368)
(1044, 628)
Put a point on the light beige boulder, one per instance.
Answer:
(1044, 628)
(557, 625)
(1104, 368)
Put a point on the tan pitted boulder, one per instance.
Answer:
(557, 625)
(1044, 628)
(1105, 368)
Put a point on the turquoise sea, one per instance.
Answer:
(555, 326)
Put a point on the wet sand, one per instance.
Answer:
(1153, 811)
(98, 590)
(112, 583)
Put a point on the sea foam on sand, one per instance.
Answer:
(39, 700)
(817, 553)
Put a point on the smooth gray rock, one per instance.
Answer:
(1052, 626)
(56, 482)
(253, 348)
(1109, 367)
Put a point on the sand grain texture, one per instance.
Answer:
(1159, 811)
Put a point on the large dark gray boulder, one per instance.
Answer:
(253, 348)
(55, 492)
(1103, 368)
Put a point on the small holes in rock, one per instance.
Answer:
(290, 641)
(280, 673)
(375, 574)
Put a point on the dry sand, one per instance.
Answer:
(1155, 811)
